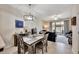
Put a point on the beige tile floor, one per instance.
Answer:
(59, 48)
(53, 48)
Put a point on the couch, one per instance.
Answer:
(51, 36)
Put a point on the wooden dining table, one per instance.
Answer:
(31, 41)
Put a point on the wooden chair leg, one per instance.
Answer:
(46, 43)
(19, 50)
(24, 49)
(46, 48)
(42, 50)
(35, 49)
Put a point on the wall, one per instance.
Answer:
(75, 36)
(66, 26)
(45, 25)
(74, 39)
(7, 24)
(70, 27)
(78, 30)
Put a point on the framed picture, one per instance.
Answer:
(18, 24)
(73, 21)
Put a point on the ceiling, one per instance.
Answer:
(46, 11)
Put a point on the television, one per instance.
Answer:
(18, 23)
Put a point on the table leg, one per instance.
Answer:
(34, 49)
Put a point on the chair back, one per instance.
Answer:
(45, 38)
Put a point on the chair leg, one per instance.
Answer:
(42, 50)
(35, 49)
(46, 48)
(19, 50)
(47, 43)
(24, 49)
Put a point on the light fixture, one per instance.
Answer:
(28, 17)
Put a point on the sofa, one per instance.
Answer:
(51, 36)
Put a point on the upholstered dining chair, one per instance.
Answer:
(42, 44)
(21, 46)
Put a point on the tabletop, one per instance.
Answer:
(32, 39)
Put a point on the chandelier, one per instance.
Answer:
(28, 17)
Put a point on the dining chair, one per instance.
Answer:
(21, 46)
(42, 44)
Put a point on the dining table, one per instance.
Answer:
(32, 40)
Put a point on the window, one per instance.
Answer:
(58, 27)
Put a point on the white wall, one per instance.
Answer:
(66, 26)
(70, 27)
(74, 39)
(78, 30)
(75, 36)
(7, 24)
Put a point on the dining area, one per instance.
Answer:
(31, 43)
(21, 33)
